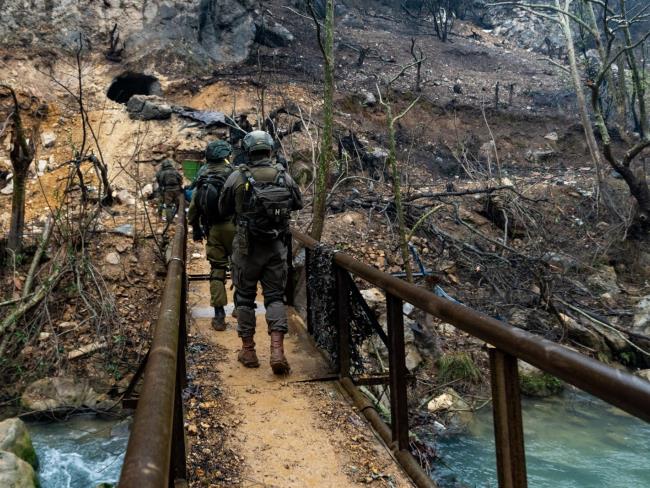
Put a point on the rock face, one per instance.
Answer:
(272, 34)
(163, 34)
(60, 392)
(15, 438)
(148, 107)
(16, 473)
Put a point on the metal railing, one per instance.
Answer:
(507, 345)
(155, 455)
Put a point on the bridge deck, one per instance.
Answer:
(293, 433)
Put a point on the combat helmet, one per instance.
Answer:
(217, 150)
(258, 140)
(168, 164)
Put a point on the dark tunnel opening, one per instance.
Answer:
(126, 85)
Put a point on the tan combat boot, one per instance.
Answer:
(247, 355)
(279, 363)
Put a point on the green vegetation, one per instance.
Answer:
(540, 385)
(457, 366)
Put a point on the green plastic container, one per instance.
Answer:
(191, 168)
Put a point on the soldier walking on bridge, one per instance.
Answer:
(261, 195)
(207, 222)
(170, 186)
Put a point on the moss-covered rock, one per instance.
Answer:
(536, 383)
(16, 473)
(15, 438)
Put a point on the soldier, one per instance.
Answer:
(207, 222)
(261, 195)
(170, 186)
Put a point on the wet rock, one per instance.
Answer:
(59, 392)
(537, 383)
(272, 34)
(112, 258)
(15, 438)
(48, 139)
(148, 107)
(641, 322)
(16, 473)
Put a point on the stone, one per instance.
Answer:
(451, 409)
(112, 258)
(16, 473)
(48, 139)
(561, 262)
(643, 373)
(42, 166)
(8, 189)
(59, 392)
(272, 34)
(552, 136)
(15, 438)
(605, 280)
(540, 156)
(537, 383)
(148, 107)
(641, 323)
(584, 335)
(369, 99)
(124, 197)
(147, 190)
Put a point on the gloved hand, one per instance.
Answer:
(197, 234)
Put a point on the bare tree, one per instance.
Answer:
(22, 155)
(326, 153)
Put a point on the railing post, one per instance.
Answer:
(343, 320)
(310, 325)
(508, 427)
(397, 366)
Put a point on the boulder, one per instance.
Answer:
(540, 156)
(59, 392)
(148, 107)
(641, 322)
(537, 383)
(15, 438)
(124, 197)
(16, 473)
(369, 99)
(272, 34)
(585, 335)
(451, 409)
(147, 190)
(551, 136)
(643, 373)
(48, 139)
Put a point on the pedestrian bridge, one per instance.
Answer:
(283, 445)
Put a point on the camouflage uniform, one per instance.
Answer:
(264, 261)
(170, 186)
(219, 244)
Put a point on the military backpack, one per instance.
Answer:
(208, 191)
(267, 205)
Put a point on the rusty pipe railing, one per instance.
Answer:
(155, 455)
(619, 388)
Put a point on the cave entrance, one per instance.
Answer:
(126, 85)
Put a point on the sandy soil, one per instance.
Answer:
(286, 431)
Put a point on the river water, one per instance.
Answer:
(81, 452)
(572, 441)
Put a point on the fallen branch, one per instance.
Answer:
(47, 233)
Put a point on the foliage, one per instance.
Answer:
(457, 366)
(540, 385)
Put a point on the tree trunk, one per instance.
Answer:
(326, 154)
(17, 212)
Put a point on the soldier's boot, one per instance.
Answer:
(219, 319)
(279, 363)
(247, 355)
